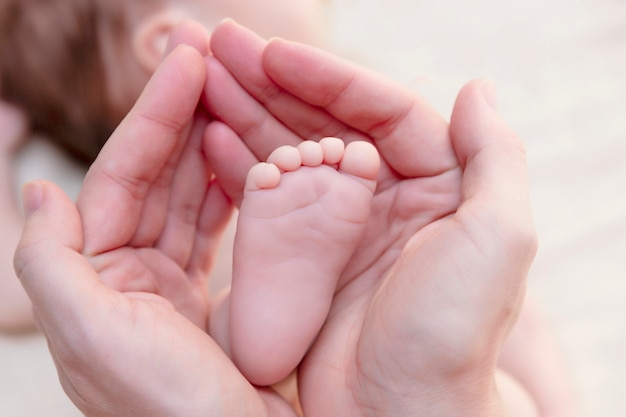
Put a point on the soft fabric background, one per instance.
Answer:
(560, 69)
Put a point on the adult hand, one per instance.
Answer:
(116, 280)
(151, 216)
(438, 279)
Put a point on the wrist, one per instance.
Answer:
(467, 395)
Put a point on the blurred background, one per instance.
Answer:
(560, 70)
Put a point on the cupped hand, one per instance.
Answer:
(437, 281)
(151, 215)
(117, 281)
(121, 353)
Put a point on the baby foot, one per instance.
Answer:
(302, 216)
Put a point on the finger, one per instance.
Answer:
(157, 201)
(155, 208)
(495, 179)
(229, 102)
(61, 284)
(113, 194)
(154, 211)
(410, 135)
(216, 213)
(472, 265)
(229, 158)
(240, 51)
(186, 195)
(495, 205)
(188, 32)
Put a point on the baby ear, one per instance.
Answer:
(150, 36)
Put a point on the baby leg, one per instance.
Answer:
(302, 216)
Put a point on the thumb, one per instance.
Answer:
(48, 260)
(495, 210)
(459, 282)
(493, 157)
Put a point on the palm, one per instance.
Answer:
(149, 270)
(118, 352)
(356, 347)
(155, 243)
(143, 351)
(156, 230)
(141, 226)
(401, 208)
(438, 276)
(415, 189)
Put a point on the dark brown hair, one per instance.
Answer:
(51, 65)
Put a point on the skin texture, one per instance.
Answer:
(298, 225)
(106, 338)
(129, 61)
(439, 271)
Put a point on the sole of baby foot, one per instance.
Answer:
(302, 216)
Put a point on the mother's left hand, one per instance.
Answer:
(118, 282)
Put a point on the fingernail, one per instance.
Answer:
(489, 92)
(32, 196)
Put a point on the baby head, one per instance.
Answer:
(76, 66)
